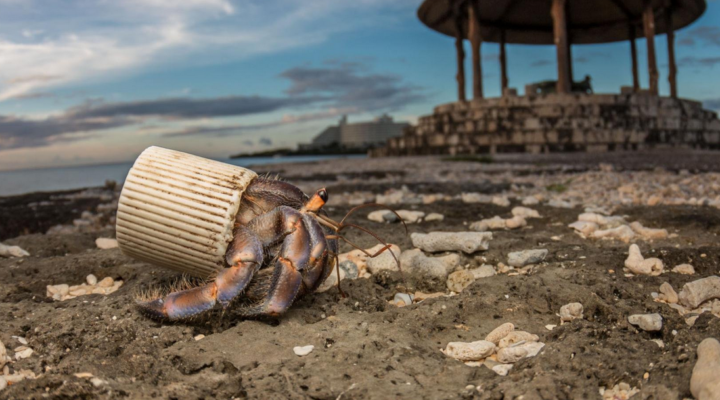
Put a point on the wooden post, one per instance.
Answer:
(475, 37)
(649, 28)
(503, 64)
(672, 74)
(460, 56)
(560, 34)
(633, 54)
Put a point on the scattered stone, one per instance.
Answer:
(97, 382)
(550, 327)
(658, 342)
(473, 351)
(420, 296)
(385, 261)
(106, 243)
(602, 220)
(517, 337)
(502, 369)
(4, 358)
(12, 251)
(303, 350)
(64, 292)
(434, 217)
(467, 242)
(475, 198)
(570, 312)
(23, 352)
(402, 299)
(416, 262)
(410, 217)
(530, 201)
(514, 354)
(459, 280)
(705, 379)
(560, 204)
(638, 265)
(501, 201)
(685, 269)
(377, 216)
(621, 391)
(647, 322)
(526, 257)
(697, 292)
(91, 280)
(622, 232)
(199, 337)
(648, 233)
(500, 332)
(667, 293)
(525, 212)
(484, 271)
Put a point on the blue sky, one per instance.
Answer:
(97, 81)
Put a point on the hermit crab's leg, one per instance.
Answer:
(244, 257)
(298, 249)
(315, 272)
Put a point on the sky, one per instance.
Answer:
(97, 81)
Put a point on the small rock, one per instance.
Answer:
(530, 201)
(622, 232)
(501, 201)
(416, 262)
(420, 296)
(560, 204)
(91, 280)
(402, 299)
(106, 282)
(467, 242)
(97, 382)
(472, 351)
(583, 227)
(647, 322)
(106, 243)
(12, 251)
(516, 337)
(685, 269)
(638, 265)
(303, 350)
(459, 280)
(550, 327)
(410, 217)
(500, 332)
(526, 257)
(485, 271)
(658, 342)
(667, 293)
(705, 379)
(571, 311)
(648, 233)
(502, 369)
(378, 216)
(525, 212)
(514, 354)
(391, 217)
(4, 358)
(385, 261)
(695, 293)
(434, 217)
(23, 352)
(199, 337)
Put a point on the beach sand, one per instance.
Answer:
(365, 347)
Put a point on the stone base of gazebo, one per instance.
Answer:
(559, 122)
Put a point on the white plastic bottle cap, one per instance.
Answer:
(177, 210)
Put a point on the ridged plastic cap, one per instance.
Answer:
(177, 210)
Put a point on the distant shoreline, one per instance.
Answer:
(289, 153)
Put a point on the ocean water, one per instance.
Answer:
(51, 179)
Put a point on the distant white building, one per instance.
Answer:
(357, 135)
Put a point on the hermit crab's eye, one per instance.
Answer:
(323, 195)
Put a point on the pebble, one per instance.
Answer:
(402, 299)
(475, 198)
(472, 351)
(63, 291)
(695, 293)
(106, 282)
(638, 265)
(501, 201)
(91, 280)
(303, 350)
(622, 232)
(12, 251)
(106, 243)
(467, 242)
(621, 391)
(350, 268)
(516, 353)
(199, 337)
(685, 269)
(502, 369)
(23, 352)
(410, 217)
(647, 322)
(416, 262)
(516, 337)
(434, 217)
(525, 212)
(4, 358)
(377, 216)
(484, 271)
(500, 332)
(97, 382)
(385, 261)
(530, 201)
(648, 233)
(526, 257)
(668, 294)
(550, 327)
(459, 280)
(705, 379)
(571, 311)
(659, 342)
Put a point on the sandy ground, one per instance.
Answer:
(364, 346)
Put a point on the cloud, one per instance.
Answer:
(540, 63)
(691, 61)
(709, 35)
(265, 141)
(82, 41)
(712, 104)
(344, 88)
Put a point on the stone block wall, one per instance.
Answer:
(559, 122)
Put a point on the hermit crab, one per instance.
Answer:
(258, 239)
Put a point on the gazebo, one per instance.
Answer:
(559, 118)
(562, 23)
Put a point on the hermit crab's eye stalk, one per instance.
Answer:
(317, 201)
